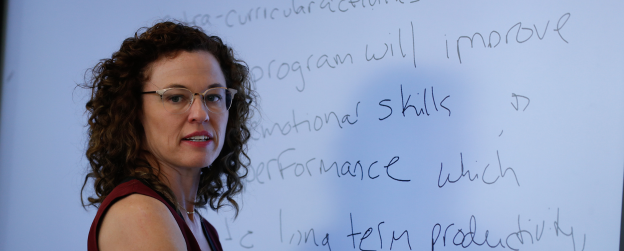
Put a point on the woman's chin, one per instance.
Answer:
(199, 164)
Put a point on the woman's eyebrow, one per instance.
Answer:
(176, 85)
(216, 85)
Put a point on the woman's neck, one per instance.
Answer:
(184, 183)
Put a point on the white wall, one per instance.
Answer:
(563, 150)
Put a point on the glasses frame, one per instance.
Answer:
(203, 97)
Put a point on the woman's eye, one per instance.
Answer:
(176, 98)
(213, 98)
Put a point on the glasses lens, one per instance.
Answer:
(229, 95)
(177, 100)
(218, 99)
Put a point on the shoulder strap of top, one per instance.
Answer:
(128, 188)
(212, 235)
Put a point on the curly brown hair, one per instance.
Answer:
(115, 131)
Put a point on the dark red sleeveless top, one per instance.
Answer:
(136, 186)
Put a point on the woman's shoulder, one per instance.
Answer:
(139, 221)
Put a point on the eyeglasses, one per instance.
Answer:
(179, 100)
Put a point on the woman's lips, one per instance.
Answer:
(195, 143)
(198, 139)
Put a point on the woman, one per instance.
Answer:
(167, 134)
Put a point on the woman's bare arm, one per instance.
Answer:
(139, 222)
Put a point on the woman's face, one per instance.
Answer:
(167, 135)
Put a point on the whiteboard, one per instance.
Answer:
(385, 125)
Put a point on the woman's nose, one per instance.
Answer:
(198, 111)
